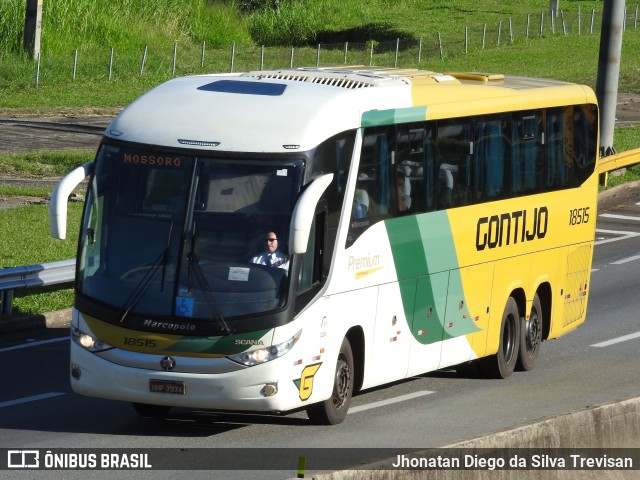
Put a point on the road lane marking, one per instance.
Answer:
(625, 260)
(33, 344)
(33, 398)
(391, 401)
(620, 217)
(613, 341)
(622, 236)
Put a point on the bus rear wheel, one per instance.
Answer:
(503, 363)
(530, 337)
(334, 410)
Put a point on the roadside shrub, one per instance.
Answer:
(253, 5)
(12, 26)
(295, 22)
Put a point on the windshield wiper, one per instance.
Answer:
(196, 270)
(141, 288)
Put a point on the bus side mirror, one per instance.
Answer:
(303, 213)
(59, 197)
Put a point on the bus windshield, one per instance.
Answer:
(173, 236)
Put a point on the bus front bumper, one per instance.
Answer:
(249, 389)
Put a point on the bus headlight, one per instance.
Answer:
(263, 355)
(88, 342)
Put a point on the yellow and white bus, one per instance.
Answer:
(423, 221)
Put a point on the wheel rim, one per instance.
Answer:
(533, 332)
(342, 383)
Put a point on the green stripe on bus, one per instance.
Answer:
(423, 254)
(422, 244)
(394, 115)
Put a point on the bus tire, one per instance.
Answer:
(530, 336)
(503, 363)
(334, 410)
(148, 410)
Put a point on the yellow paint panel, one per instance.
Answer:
(491, 231)
(445, 100)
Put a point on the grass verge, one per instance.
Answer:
(25, 240)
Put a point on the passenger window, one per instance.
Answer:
(490, 151)
(584, 140)
(526, 153)
(454, 163)
(557, 173)
(410, 158)
(371, 202)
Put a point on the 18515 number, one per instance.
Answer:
(139, 342)
(578, 216)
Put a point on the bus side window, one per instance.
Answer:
(430, 172)
(410, 174)
(583, 143)
(372, 192)
(557, 170)
(454, 163)
(489, 162)
(313, 267)
(526, 153)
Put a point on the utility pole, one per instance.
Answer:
(33, 27)
(609, 71)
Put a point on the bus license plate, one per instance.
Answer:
(167, 386)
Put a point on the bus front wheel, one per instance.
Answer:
(530, 337)
(334, 410)
(502, 364)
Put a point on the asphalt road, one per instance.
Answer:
(593, 365)
(27, 133)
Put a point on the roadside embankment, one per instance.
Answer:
(608, 426)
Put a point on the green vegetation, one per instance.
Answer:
(25, 241)
(21, 239)
(203, 33)
(87, 31)
(42, 164)
(20, 191)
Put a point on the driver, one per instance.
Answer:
(271, 256)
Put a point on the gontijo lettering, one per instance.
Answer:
(514, 227)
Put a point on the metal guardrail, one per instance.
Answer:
(615, 162)
(619, 160)
(42, 275)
